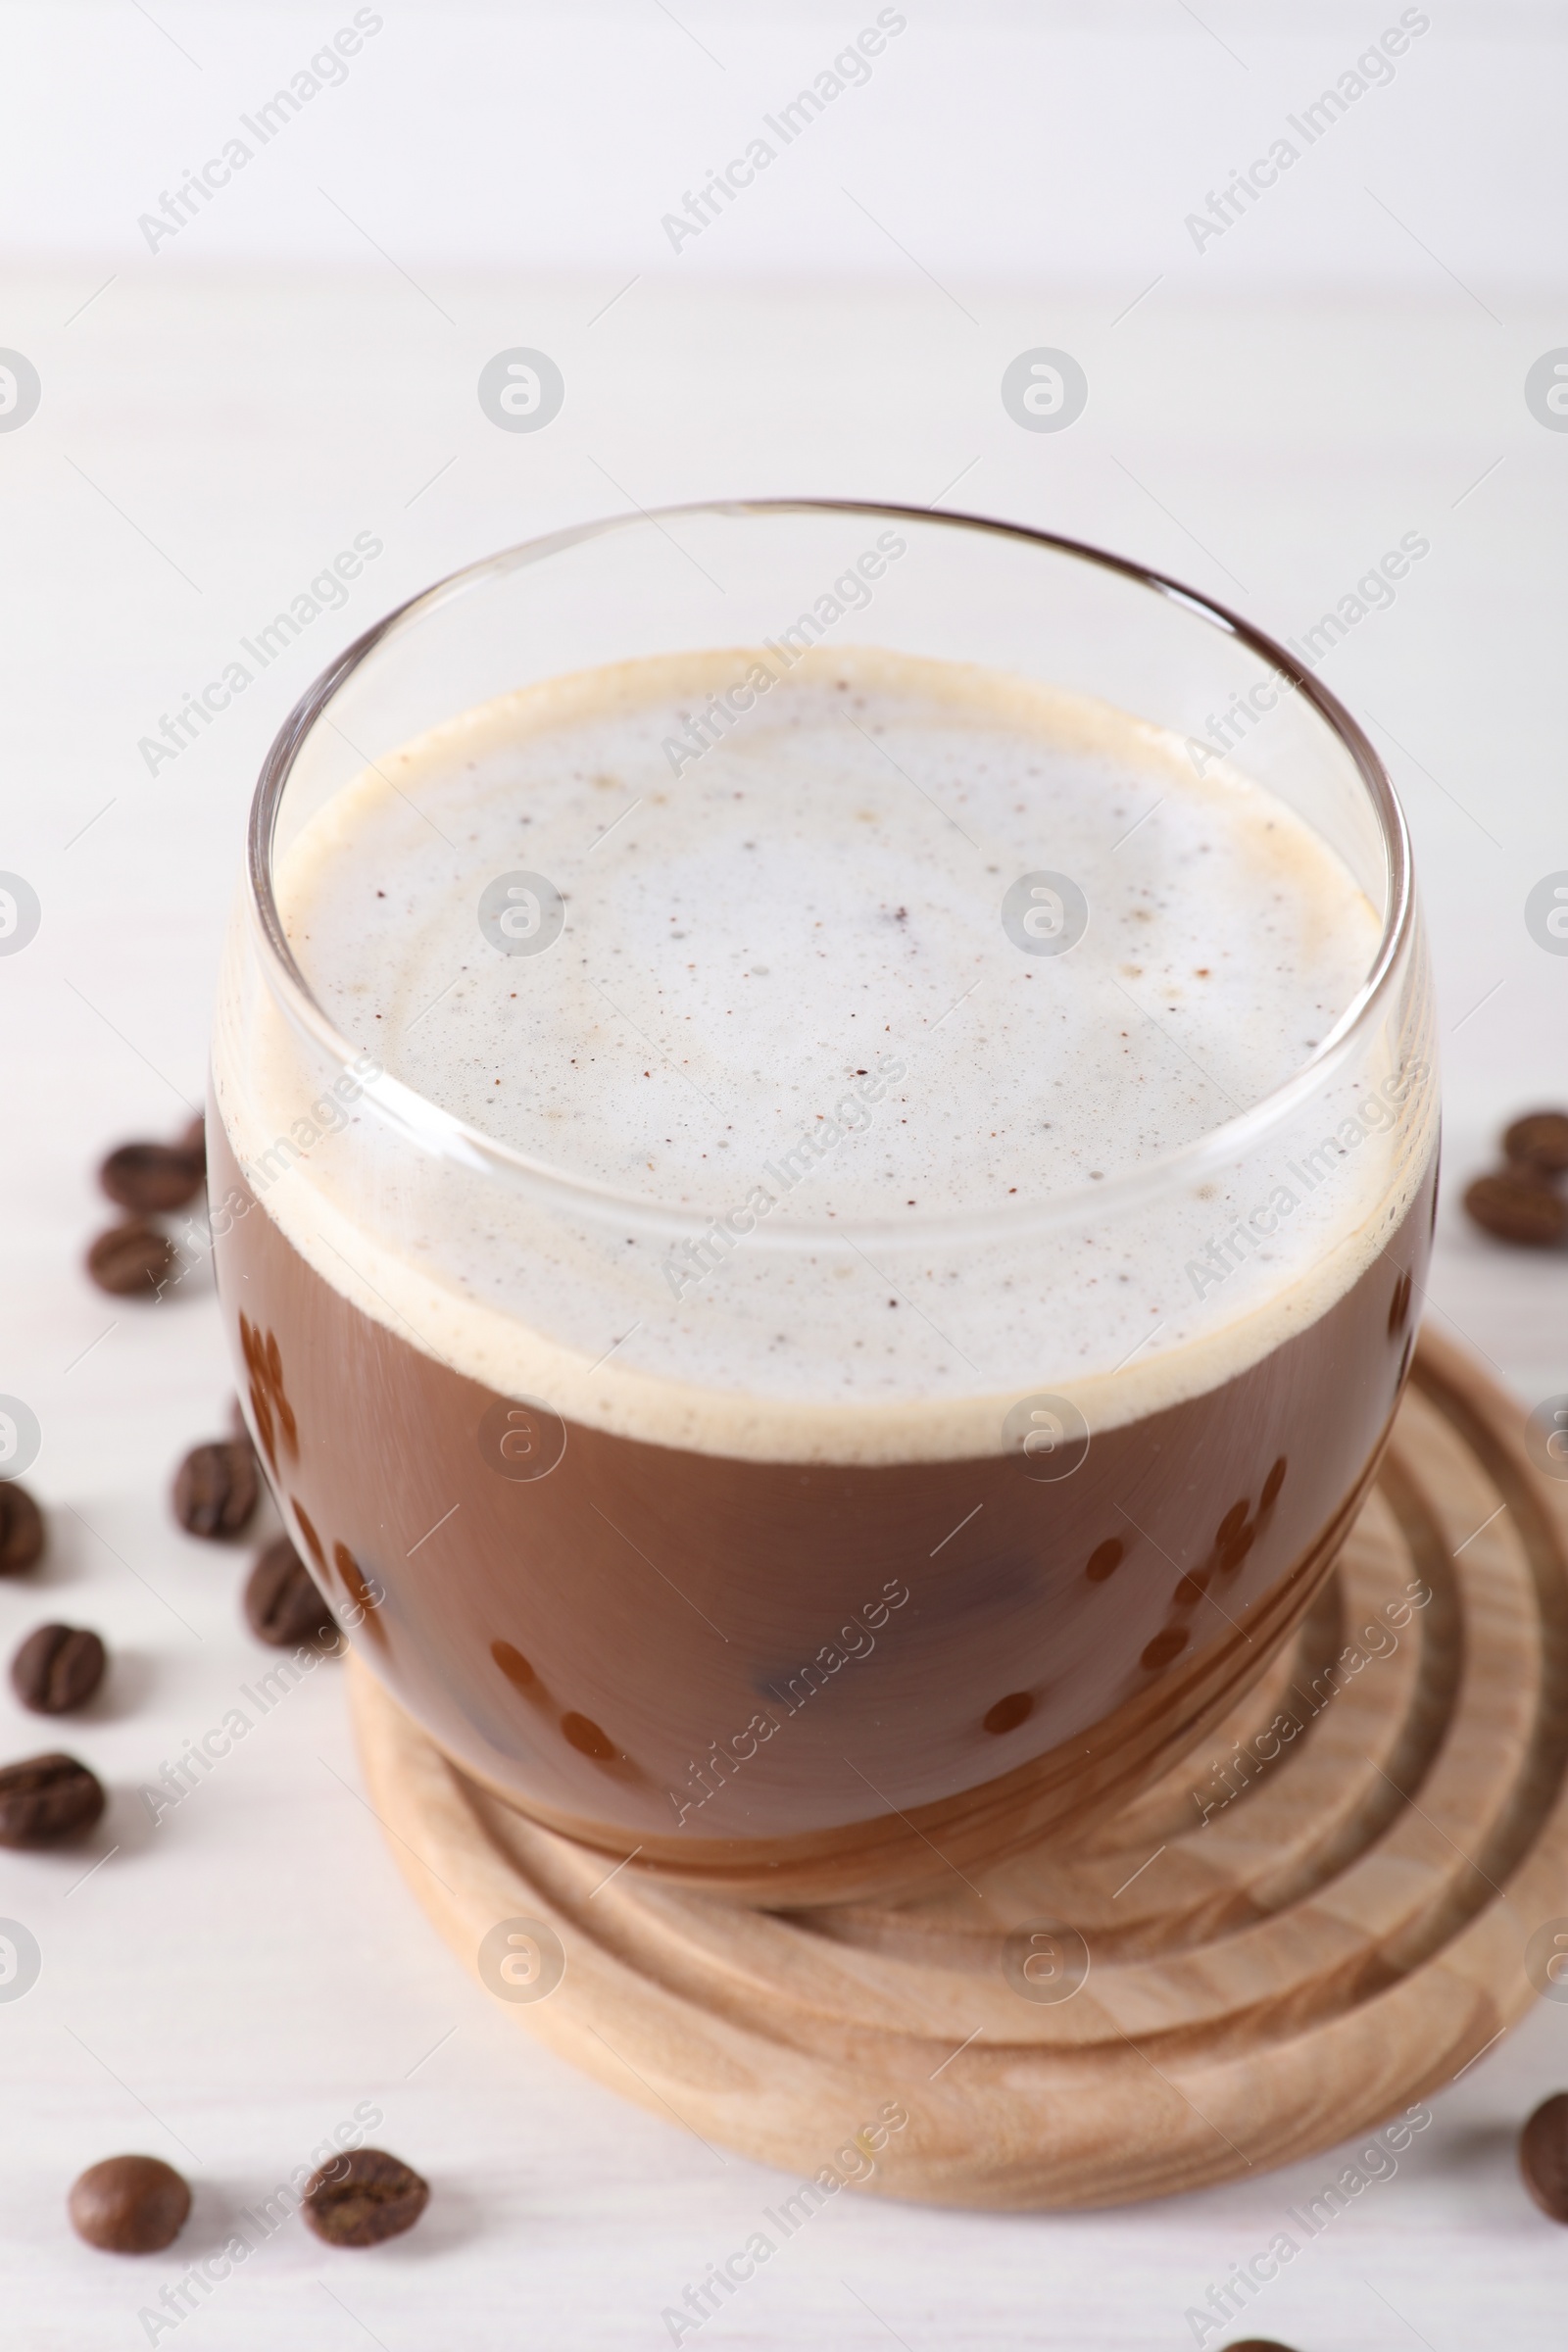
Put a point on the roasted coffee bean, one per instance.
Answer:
(1544, 2157)
(364, 2196)
(1257, 2344)
(150, 1177)
(58, 1668)
(129, 2205)
(217, 1487)
(130, 1260)
(192, 1147)
(282, 1604)
(20, 1529)
(45, 1799)
(1539, 1141)
(1517, 1206)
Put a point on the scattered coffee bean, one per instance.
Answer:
(129, 2205)
(20, 1529)
(282, 1604)
(130, 1260)
(1521, 1202)
(1517, 1206)
(1257, 2344)
(45, 1799)
(364, 2196)
(57, 1668)
(217, 1487)
(1544, 2157)
(1539, 1141)
(150, 1177)
(192, 1147)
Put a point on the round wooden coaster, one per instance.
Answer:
(1318, 1918)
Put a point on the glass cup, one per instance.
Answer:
(597, 1465)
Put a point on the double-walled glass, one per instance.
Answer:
(594, 1464)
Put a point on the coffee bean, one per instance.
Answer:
(57, 1668)
(1544, 2157)
(1257, 2343)
(45, 1799)
(1539, 1141)
(150, 1177)
(192, 1147)
(20, 1529)
(130, 1260)
(1517, 1206)
(129, 2205)
(217, 1487)
(364, 2196)
(282, 1604)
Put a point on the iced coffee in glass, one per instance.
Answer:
(824, 1147)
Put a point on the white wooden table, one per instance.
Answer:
(227, 1986)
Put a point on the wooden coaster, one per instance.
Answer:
(1316, 1920)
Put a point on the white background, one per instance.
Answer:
(1267, 416)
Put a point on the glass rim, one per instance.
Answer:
(430, 1126)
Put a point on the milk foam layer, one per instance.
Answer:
(784, 978)
(813, 895)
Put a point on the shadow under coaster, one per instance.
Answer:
(1269, 1972)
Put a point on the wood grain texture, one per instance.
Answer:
(1317, 1918)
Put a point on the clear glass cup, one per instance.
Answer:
(656, 1580)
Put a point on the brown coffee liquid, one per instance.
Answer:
(745, 1666)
